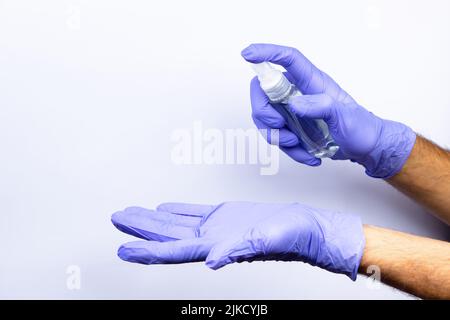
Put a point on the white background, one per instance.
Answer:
(90, 92)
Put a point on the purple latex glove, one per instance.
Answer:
(381, 146)
(242, 231)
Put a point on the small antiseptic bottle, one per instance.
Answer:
(312, 133)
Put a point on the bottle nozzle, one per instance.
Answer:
(263, 69)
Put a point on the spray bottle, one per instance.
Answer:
(312, 133)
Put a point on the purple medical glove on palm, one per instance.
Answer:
(381, 146)
(242, 231)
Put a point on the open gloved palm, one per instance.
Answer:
(242, 231)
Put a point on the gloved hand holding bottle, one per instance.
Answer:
(381, 146)
(242, 231)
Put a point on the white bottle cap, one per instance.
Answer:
(268, 76)
(272, 81)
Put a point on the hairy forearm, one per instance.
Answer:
(417, 265)
(425, 177)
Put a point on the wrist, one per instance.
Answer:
(373, 243)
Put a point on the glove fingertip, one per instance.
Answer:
(118, 219)
(115, 217)
(289, 142)
(218, 257)
(314, 163)
(215, 264)
(248, 53)
(124, 253)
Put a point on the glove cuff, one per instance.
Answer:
(394, 147)
(343, 243)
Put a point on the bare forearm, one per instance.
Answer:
(417, 265)
(425, 177)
